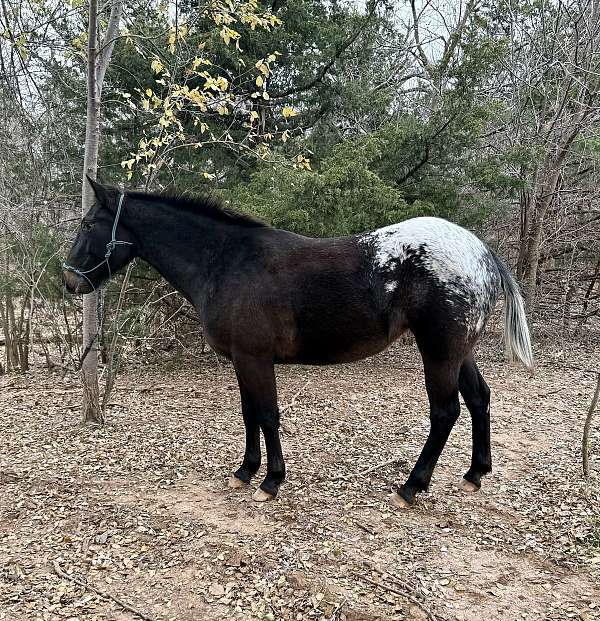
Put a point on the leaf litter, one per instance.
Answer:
(134, 520)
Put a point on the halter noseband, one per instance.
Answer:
(110, 246)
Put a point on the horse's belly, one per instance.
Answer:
(338, 346)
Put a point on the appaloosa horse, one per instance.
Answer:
(267, 296)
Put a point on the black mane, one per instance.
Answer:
(207, 205)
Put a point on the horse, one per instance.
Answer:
(267, 296)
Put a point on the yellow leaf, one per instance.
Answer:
(259, 81)
(262, 67)
(302, 162)
(208, 175)
(149, 92)
(288, 112)
(156, 66)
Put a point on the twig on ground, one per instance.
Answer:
(338, 608)
(407, 596)
(292, 402)
(365, 528)
(86, 585)
(363, 473)
(289, 406)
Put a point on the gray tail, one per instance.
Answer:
(516, 332)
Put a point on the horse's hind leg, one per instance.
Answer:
(257, 377)
(251, 461)
(476, 394)
(441, 381)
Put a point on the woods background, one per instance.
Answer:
(323, 117)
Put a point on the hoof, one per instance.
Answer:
(235, 483)
(398, 501)
(261, 496)
(467, 486)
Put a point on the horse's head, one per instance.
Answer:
(103, 244)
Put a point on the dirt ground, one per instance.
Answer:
(138, 511)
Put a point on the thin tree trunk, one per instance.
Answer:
(97, 63)
(23, 336)
(91, 410)
(12, 348)
(525, 207)
(6, 329)
(541, 203)
(586, 298)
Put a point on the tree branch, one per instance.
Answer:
(108, 41)
(329, 64)
(425, 157)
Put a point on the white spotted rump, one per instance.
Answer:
(452, 256)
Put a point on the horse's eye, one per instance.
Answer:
(86, 226)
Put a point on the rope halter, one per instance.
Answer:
(110, 246)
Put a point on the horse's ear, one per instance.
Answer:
(100, 191)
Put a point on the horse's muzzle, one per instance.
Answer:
(75, 284)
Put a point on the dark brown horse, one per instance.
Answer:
(267, 296)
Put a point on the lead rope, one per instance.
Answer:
(110, 246)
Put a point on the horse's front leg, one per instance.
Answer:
(257, 386)
(251, 461)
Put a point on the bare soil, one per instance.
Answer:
(139, 510)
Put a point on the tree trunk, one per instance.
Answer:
(91, 411)
(542, 200)
(97, 62)
(525, 208)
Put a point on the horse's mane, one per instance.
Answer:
(207, 205)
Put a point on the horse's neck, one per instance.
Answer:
(185, 251)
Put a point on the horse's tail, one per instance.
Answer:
(516, 332)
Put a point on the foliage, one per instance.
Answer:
(190, 88)
(343, 196)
